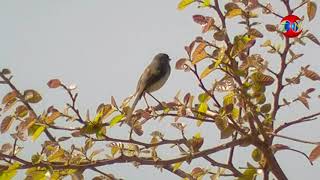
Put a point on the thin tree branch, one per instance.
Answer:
(300, 120)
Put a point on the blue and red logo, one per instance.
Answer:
(291, 26)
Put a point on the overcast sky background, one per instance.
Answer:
(103, 46)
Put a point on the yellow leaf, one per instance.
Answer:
(198, 135)
(233, 13)
(38, 132)
(199, 53)
(176, 166)
(206, 3)
(206, 71)
(114, 150)
(184, 3)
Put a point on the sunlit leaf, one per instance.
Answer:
(231, 6)
(57, 156)
(233, 13)
(199, 53)
(116, 119)
(10, 172)
(176, 166)
(35, 131)
(184, 3)
(52, 117)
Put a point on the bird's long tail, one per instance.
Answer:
(131, 110)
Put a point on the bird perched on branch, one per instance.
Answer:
(152, 79)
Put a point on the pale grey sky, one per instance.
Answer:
(103, 46)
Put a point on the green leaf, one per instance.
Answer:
(256, 155)
(184, 3)
(206, 71)
(265, 108)
(248, 174)
(35, 131)
(206, 3)
(56, 156)
(116, 119)
(221, 123)
(228, 99)
(10, 172)
(226, 133)
(32, 96)
(203, 97)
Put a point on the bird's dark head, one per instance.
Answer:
(162, 57)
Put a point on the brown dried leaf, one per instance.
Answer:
(315, 153)
(304, 101)
(271, 27)
(310, 74)
(54, 83)
(113, 102)
(313, 38)
(219, 35)
(6, 123)
(255, 32)
(311, 10)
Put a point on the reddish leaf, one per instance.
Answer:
(199, 19)
(271, 27)
(180, 64)
(54, 83)
(209, 25)
(315, 153)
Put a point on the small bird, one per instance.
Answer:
(152, 79)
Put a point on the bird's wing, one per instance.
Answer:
(143, 79)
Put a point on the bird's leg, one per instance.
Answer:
(155, 99)
(145, 100)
